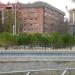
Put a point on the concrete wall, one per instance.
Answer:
(9, 63)
(29, 66)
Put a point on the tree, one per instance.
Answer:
(56, 40)
(9, 21)
(34, 40)
(7, 39)
(67, 41)
(23, 39)
(45, 40)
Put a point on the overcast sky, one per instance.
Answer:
(60, 4)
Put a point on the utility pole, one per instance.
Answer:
(15, 20)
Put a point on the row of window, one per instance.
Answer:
(51, 11)
(30, 18)
(29, 14)
(50, 15)
(30, 29)
(35, 25)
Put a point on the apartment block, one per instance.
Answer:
(40, 17)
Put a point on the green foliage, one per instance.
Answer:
(56, 40)
(67, 40)
(9, 20)
(35, 38)
(45, 40)
(7, 39)
(22, 39)
(9, 17)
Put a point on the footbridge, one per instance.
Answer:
(37, 55)
(33, 61)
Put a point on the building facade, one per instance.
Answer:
(72, 21)
(41, 17)
(38, 17)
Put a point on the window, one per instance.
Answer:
(19, 13)
(24, 25)
(49, 14)
(31, 24)
(31, 9)
(25, 19)
(35, 18)
(32, 14)
(45, 13)
(31, 18)
(36, 24)
(35, 14)
(45, 9)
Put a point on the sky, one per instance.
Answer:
(60, 4)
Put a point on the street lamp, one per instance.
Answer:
(15, 19)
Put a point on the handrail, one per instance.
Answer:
(38, 70)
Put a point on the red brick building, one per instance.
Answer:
(41, 17)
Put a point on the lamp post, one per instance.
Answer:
(15, 19)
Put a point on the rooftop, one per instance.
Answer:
(43, 4)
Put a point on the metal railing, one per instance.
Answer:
(37, 54)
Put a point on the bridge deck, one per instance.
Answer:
(24, 61)
(37, 56)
